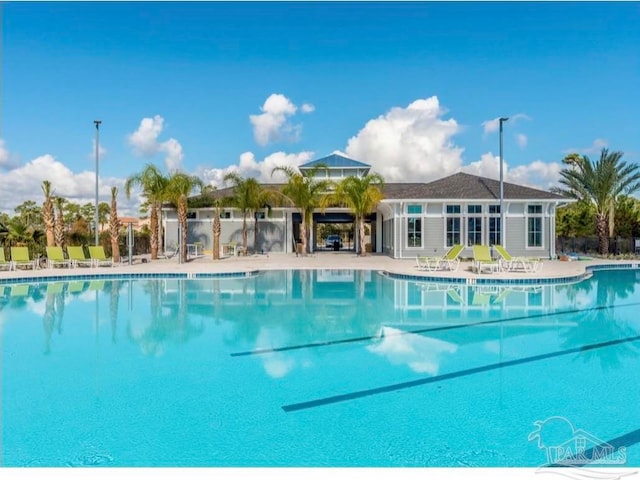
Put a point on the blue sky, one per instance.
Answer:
(411, 88)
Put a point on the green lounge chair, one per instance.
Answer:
(4, 263)
(20, 258)
(76, 255)
(448, 261)
(98, 256)
(482, 260)
(55, 256)
(513, 264)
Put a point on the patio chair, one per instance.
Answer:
(448, 261)
(4, 263)
(55, 256)
(482, 260)
(98, 256)
(77, 258)
(510, 263)
(20, 258)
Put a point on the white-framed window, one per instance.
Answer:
(414, 226)
(192, 215)
(534, 226)
(225, 214)
(494, 225)
(474, 225)
(260, 215)
(453, 224)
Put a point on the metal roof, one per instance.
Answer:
(335, 161)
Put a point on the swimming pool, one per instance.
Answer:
(317, 368)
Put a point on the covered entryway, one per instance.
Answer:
(340, 223)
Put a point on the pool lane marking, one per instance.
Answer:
(261, 351)
(448, 376)
(626, 440)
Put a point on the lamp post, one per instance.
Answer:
(502, 229)
(97, 122)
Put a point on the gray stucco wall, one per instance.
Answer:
(270, 234)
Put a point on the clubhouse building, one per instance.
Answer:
(413, 219)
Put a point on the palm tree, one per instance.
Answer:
(153, 185)
(59, 221)
(179, 187)
(114, 226)
(48, 215)
(217, 203)
(600, 184)
(361, 195)
(305, 193)
(249, 196)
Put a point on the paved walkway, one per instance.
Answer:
(319, 260)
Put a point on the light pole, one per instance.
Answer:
(502, 229)
(97, 122)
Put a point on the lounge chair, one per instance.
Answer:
(77, 258)
(98, 256)
(55, 256)
(448, 261)
(510, 263)
(4, 263)
(482, 260)
(20, 258)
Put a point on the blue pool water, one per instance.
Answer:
(317, 368)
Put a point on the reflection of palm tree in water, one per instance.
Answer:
(604, 322)
(53, 315)
(114, 299)
(174, 327)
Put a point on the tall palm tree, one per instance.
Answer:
(179, 187)
(48, 215)
(217, 202)
(59, 221)
(305, 192)
(361, 195)
(114, 226)
(599, 183)
(249, 196)
(153, 184)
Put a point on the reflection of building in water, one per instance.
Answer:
(283, 287)
(416, 298)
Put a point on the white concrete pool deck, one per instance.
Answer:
(319, 260)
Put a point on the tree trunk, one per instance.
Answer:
(255, 232)
(602, 228)
(114, 230)
(59, 229)
(303, 233)
(160, 232)
(217, 230)
(153, 226)
(48, 218)
(361, 249)
(182, 218)
(244, 233)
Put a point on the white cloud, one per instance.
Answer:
(409, 144)
(272, 124)
(493, 125)
(24, 183)
(248, 167)
(596, 147)
(307, 108)
(4, 155)
(539, 174)
(521, 140)
(145, 143)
